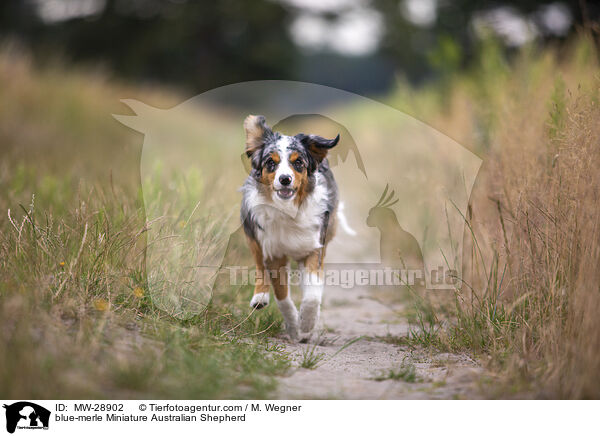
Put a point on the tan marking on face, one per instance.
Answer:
(300, 184)
(267, 178)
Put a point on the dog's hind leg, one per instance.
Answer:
(312, 291)
(278, 272)
(261, 288)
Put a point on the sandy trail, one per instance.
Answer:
(351, 374)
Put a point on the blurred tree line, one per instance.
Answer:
(200, 45)
(449, 43)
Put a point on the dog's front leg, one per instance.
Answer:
(261, 288)
(312, 291)
(278, 271)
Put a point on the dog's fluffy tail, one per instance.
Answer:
(342, 220)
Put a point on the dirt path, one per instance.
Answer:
(362, 369)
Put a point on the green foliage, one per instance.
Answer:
(406, 372)
(195, 45)
(557, 109)
(446, 56)
(311, 359)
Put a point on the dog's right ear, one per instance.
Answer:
(257, 132)
(317, 146)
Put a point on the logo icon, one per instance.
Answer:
(26, 415)
(191, 167)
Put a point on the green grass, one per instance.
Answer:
(75, 308)
(311, 359)
(78, 315)
(406, 372)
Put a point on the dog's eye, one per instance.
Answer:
(270, 164)
(298, 165)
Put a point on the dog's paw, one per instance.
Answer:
(259, 300)
(292, 332)
(309, 314)
(290, 316)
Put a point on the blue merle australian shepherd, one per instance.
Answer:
(289, 211)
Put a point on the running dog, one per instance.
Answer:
(289, 211)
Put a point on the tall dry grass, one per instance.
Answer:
(547, 184)
(530, 302)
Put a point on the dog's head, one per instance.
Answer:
(285, 165)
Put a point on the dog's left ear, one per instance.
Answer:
(257, 132)
(317, 146)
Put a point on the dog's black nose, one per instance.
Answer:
(285, 180)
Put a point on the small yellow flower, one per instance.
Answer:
(62, 264)
(138, 292)
(101, 305)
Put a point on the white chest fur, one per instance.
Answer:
(287, 230)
